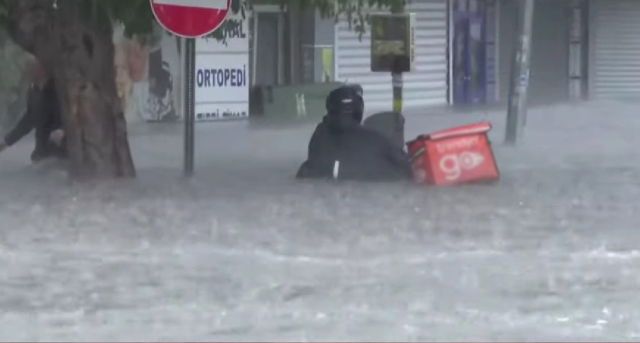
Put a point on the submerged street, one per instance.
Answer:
(245, 252)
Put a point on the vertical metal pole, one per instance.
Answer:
(183, 75)
(396, 80)
(189, 106)
(517, 110)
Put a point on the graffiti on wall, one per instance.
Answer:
(148, 76)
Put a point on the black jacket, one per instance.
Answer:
(363, 154)
(43, 114)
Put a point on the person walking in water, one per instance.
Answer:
(43, 115)
(341, 148)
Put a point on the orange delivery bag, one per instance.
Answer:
(454, 156)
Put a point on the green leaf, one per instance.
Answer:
(138, 20)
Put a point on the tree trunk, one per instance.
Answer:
(77, 49)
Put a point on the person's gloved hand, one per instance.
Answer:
(56, 137)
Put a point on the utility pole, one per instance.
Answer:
(189, 106)
(398, 84)
(393, 48)
(396, 78)
(517, 108)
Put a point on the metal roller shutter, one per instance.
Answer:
(614, 61)
(424, 87)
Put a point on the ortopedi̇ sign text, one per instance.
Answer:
(222, 73)
(222, 77)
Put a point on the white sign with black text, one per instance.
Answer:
(222, 73)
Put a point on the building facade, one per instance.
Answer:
(464, 53)
(581, 49)
(557, 43)
(426, 86)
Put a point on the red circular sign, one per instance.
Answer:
(191, 18)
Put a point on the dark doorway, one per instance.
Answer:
(469, 55)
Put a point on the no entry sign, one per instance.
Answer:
(191, 18)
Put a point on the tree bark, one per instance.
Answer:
(75, 46)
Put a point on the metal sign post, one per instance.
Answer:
(393, 49)
(189, 106)
(190, 19)
(398, 84)
(517, 110)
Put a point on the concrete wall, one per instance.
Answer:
(148, 76)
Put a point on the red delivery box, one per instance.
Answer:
(454, 156)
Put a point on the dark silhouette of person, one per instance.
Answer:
(341, 148)
(43, 115)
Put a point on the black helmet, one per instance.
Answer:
(346, 100)
(356, 87)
